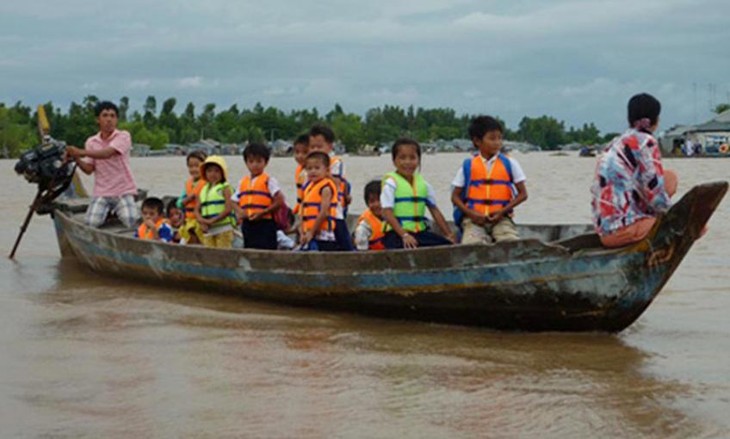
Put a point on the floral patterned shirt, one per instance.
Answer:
(629, 182)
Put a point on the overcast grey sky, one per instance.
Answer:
(578, 61)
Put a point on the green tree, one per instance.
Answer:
(721, 108)
(349, 129)
(15, 138)
(150, 111)
(544, 131)
(123, 108)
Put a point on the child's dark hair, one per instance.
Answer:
(372, 189)
(319, 155)
(481, 125)
(403, 141)
(643, 106)
(324, 131)
(105, 105)
(197, 154)
(256, 150)
(172, 204)
(302, 139)
(154, 203)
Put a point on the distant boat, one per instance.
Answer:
(587, 152)
(558, 278)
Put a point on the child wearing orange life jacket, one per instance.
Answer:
(301, 149)
(257, 198)
(318, 212)
(322, 138)
(154, 225)
(369, 230)
(487, 187)
(190, 232)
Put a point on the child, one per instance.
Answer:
(487, 187)
(631, 187)
(322, 138)
(369, 230)
(175, 218)
(319, 205)
(191, 232)
(214, 207)
(154, 225)
(404, 199)
(301, 148)
(257, 199)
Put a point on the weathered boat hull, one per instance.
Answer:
(522, 285)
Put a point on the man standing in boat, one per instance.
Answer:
(106, 155)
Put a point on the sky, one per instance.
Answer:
(578, 61)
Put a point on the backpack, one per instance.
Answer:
(283, 216)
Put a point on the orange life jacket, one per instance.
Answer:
(312, 205)
(144, 232)
(190, 189)
(376, 225)
(255, 197)
(490, 191)
(300, 180)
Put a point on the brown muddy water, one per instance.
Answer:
(82, 355)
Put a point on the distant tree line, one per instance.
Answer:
(158, 125)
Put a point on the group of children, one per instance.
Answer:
(630, 190)
(486, 189)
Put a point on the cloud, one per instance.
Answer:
(139, 84)
(190, 82)
(576, 60)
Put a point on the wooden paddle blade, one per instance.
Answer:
(44, 128)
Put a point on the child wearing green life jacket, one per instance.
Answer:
(214, 208)
(405, 197)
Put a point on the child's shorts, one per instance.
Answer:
(504, 230)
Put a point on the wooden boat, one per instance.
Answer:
(558, 278)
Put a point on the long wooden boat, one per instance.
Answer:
(558, 278)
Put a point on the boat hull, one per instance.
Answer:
(522, 285)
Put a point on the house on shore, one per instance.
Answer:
(711, 137)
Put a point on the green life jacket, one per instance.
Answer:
(410, 202)
(212, 204)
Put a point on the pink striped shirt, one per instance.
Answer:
(113, 176)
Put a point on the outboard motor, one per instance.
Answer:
(45, 166)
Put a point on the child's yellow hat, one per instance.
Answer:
(215, 160)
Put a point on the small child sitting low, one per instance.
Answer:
(369, 230)
(176, 219)
(154, 225)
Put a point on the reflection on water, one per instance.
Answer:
(85, 355)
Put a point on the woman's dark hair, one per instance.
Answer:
(324, 131)
(643, 111)
(257, 150)
(402, 142)
(372, 188)
(105, 105)
(481, 125)
(319, 155)
(197, 154)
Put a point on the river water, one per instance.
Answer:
(82, 355)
